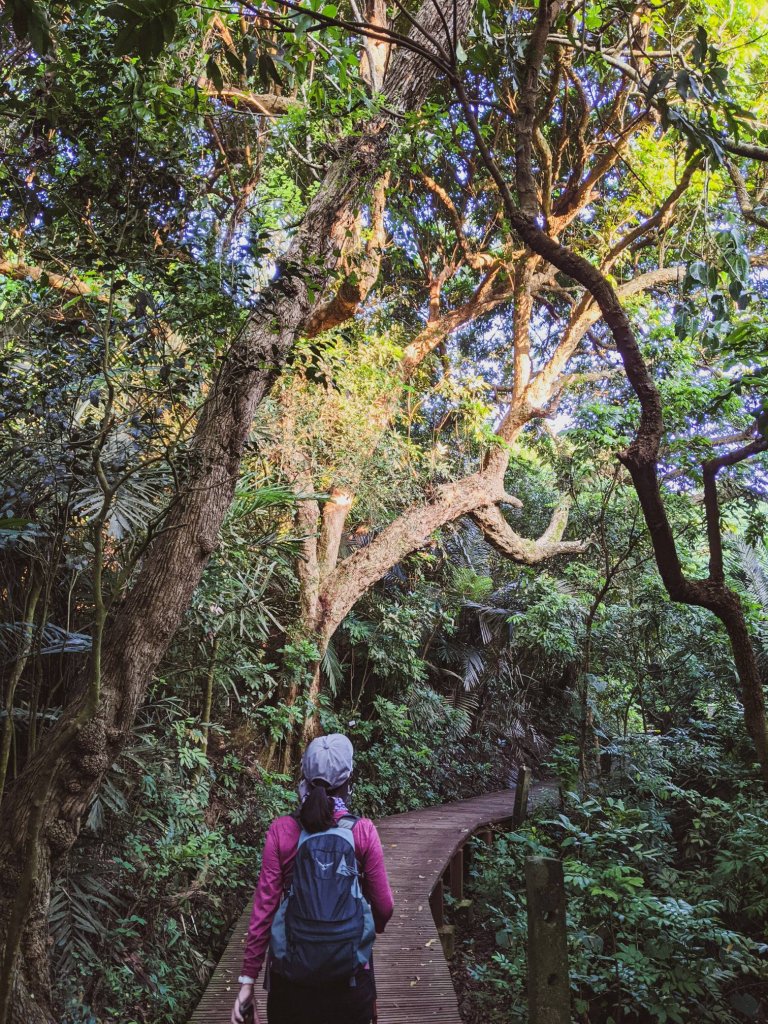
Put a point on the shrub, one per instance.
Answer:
(666, 899)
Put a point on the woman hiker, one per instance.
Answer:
(322, 895)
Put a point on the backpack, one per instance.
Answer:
(323, 930)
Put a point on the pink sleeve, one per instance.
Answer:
(266, 899)
(376, 888)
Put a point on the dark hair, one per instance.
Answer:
(316, 814)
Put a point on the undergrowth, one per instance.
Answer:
(665, 880)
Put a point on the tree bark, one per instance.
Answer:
(479, 496)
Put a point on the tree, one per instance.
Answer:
(569, 140)
(435, 211)
(43, 810)
(641, 458)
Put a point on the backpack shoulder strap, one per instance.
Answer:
(348, 821)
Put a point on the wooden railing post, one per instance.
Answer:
(485, 835)
(549, 996)
(521, 795)
(436, 904)
(456, 875)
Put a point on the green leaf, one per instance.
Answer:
(29, 20)
(658, 83)
(700, 46)
(145, 28)
(683, 84)
(213, 72)
(234, 62)
(745, 1003)
(268, 70)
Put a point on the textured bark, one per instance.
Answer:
(375, 56)
(13, 679)
(43, 811)
(268, 104)
(503, 538)
(488, 296)
(67, 284)
(360, 264)
(477, 495)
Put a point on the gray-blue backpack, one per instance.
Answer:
(323, 930)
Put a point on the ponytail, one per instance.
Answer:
(316, 814)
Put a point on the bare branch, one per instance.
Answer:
(68, 284)
(742, 196)
(267, 104)
(712, 506)
(661, 218)
(504, 539)
(476, 260)
(488, 295)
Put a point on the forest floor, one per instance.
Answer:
(483, 947)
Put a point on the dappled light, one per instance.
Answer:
(399, 371)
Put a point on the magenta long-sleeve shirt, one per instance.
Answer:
(276, 869)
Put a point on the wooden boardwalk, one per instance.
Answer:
(412, 977)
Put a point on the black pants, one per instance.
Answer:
(338, 1003)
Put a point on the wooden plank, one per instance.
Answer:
(456, 872)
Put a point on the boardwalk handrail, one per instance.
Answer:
(412, 976)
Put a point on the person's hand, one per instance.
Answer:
(246, 993)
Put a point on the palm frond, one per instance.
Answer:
(52, 639)
(257, 496)
(432, 710)
(753, 566)
(474, 666)
(78, 918)
(332, 669)
(492, 621)
(135, 504)
(109, 798)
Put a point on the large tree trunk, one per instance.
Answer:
(43, 811)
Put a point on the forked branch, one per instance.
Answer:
(504, 539)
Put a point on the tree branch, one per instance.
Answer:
(67, 284)
(361, 266)
(712, 506)
(267, 104)
(742, 196)
(504, 539)
(488, 295)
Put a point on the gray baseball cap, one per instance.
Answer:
(329, 759)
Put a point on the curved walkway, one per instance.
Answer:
(412, 976)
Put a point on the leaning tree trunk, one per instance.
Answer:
(44, 809)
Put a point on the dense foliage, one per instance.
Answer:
(664, 872)
(229, 246)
